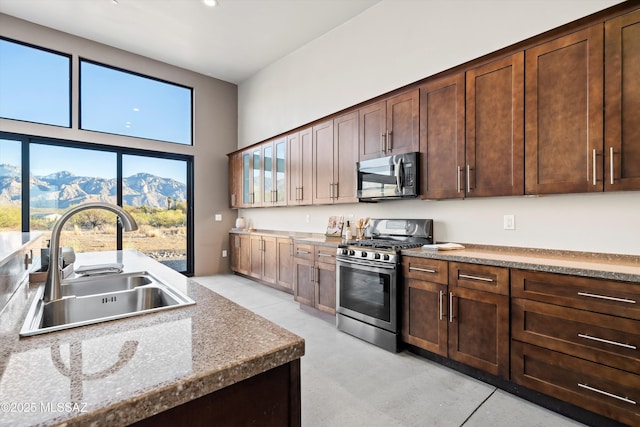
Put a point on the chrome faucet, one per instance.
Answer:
(52, 289)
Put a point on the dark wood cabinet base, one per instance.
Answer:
(269, 399)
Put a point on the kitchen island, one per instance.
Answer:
(209, 363)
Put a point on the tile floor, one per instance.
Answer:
(348, 382)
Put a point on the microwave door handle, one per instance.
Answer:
(399, 177)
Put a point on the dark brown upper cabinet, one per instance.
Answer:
(390, 126)
(495, 128)
(300, 167)
(563, 114)
(442, 138)
(622, 103)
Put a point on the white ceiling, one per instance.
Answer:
(230, 42)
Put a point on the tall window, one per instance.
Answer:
(35, 84)
(155, 192)
(10, 185)
(123, 103)
(63, 177)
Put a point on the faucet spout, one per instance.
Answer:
(52, 290)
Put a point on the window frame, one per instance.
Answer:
(69, 88)
(82, 60)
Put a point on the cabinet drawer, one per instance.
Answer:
(598, 388)
(610, 340)
(429, 270)
(326, 254)
(479, 277)
(598, 295)
(303, 251)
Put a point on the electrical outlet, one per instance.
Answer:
(224, 253)
(218, 217)
(308, 218)
(509, 222)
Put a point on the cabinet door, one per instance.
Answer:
(267, 175)
(269, 259)
(622, 103)
(495, 128)
(402, 130)
(284, 276)
(563, 104)
(303, 280)
(280, 172)
(325, 297)
(424, 315)
(479, 330)
(234, 252)
(235, 180)
(345, 149)
(244, 256)
(247, 185)
(255, 257)
(373, 122)
(442, 138)
(323, 184)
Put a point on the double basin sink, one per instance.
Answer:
(95, 299)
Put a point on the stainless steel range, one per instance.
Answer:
(367, 279)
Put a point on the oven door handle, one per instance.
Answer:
(367, 265)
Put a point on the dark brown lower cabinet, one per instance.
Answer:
(425, 317)
(314, 276)
(304, 290)
(269, 399)
(284, 274)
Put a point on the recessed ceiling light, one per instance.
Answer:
(115, 2)
(210, 3)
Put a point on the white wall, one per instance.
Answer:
(397, 42)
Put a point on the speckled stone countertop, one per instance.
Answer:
(118, 372)
(298, 237)
(587, 264)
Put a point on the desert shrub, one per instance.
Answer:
(170, 218)
(10, 217)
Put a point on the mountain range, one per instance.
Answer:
(64, 189)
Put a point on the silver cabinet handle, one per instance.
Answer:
(290, 249)
(468, 178)
(606, 393)
(382, 143)
(301, 193)
(611, 165)
(466, 276)
(594, 166)
(302, 251)
(424, 270)
(459, 171)
(389, 142)
(619, 344)
(450, 307)
(325, 255)
(336, 191)
(605, 297)
(440, 304)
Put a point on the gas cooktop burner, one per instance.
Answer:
(390, 245)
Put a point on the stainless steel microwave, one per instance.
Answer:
(391, 177)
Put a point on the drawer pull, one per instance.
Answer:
(325, 255)
(606, 393)
(301, 251)
(424, 270)
(619, 344)
(466, 276)
(586, 294)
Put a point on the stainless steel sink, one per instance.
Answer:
(101, 298)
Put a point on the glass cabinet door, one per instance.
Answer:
(246, 179)
(280, 186)
(256, 195)
(267, 177)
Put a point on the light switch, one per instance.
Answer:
(218, 217)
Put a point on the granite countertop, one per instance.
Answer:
(587, 264)
(115, 373)
(298, 237)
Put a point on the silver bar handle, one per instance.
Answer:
(606, 393)
(320, 254)
(316, 273)
(468, 177)
(466, 276)
(290, 249)
(424, 270)
(611, 165)
(605, 297)
(302, 251)
(336, 193)
(619, 344)
(450, 307)
(594, 166)
(440, 304)
(459, 171)
(382, 143)
(389, 141)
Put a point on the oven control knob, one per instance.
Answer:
(352, 252)
(345, 251)
(386, 257)
(363, 254)
(376, 256)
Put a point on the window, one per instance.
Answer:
(123, 103)
(10, 185)
(155, 192)
(35, 84)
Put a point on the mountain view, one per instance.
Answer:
(63, 189)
